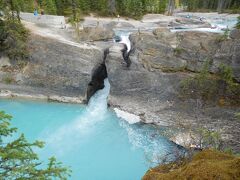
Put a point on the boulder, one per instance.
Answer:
(196, 48)
(166, 36)
(155, 53)
(235, 34)
(4, 61)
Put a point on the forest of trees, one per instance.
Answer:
(216, 5)
(129, 8)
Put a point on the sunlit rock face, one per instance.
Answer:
(60, 67)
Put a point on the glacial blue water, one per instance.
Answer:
(95, 143)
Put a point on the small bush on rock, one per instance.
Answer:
(13, 37)
(238, 23)
(212, 87)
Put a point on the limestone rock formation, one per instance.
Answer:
(150, 86)
(59, 67)
(166, 51)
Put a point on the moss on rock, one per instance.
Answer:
(208, 164)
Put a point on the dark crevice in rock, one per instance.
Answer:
(126, 55)
(99, 73)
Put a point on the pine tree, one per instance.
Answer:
(19, 161)
(49, 6)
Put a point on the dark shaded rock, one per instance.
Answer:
(125, 55)
(97, 81)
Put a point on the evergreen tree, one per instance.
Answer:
(49, 6)
(238, 23)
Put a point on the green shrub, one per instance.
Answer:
(238, 23)
(220, 87)
(224, 36)
(210, 138)
(13, 38)
(201, 85)
(178, 51)
(19, 159)
(237, 115)
(8, 80)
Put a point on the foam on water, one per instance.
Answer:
(125, 40)
(124, 34)
(130, 118)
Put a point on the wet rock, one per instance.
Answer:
(99, 73)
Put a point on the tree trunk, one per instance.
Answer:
(171, 7)
(74, 9)
(220, 5)
(112, 6)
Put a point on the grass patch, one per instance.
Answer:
(177, 51)
(8, 80)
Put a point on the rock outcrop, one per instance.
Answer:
(166, 51)
(95, 34)
(58, 67)
(150, 86)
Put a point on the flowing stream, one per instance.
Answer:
(124, 34)
(92, 140)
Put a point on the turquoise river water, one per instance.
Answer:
(92, 140)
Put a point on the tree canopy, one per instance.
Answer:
(216, 5)
(13, 35)
(19, 161)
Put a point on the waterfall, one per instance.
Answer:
(97, 105)
(125, 40)
(124, 35)
(83, 125)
